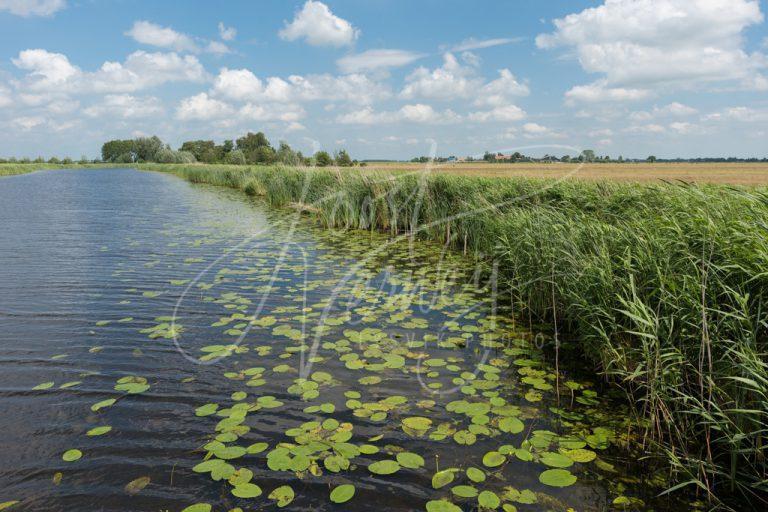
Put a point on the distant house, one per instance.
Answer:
(501, 157)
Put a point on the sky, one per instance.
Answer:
(389, 79)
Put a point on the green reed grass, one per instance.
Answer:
(663, 287)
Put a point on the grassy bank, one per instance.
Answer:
(663, 287)
(14, 169)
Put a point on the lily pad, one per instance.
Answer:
(71, 455)
(442, 506)
(198, 507)
(384, 467)
(410, 460)
(557, 478)
(247, 491)
(283, 495)
(493, 459)
(98, 431)
(343, 493)
(135, 486)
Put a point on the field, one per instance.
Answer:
(724, 173)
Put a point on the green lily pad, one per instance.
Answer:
(384, 467)
(98, 431)
(343, 493)
(488, 500)
(247, 491)
(283, 495)
(476, 475)
(556, 460)
(557, 478)
(135, 486)
(464, 491)
(198, 507)
(43, 385)
(443, 478)
(104, 403)
(493, 459)
(410, 460)
(442, 506)
(71, 455)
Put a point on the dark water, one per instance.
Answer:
(111, 274)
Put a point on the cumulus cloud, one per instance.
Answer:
(449, 81)
(503, 113)
(53, 72)
(674, 109)
(499, 92)
(202, 108)
(5, 96)
(318, 26)
(149, 33)
(227, 33)
(414, 113)
(243, 85)
(598, 92)
(373, 60)
(640, 46)
(126, 106)
(28, 8)
(152, 34)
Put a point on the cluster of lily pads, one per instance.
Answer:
(412, 375)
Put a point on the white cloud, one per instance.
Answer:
(146, 32)
(673, 109)
(238, 85)
(414, 113)
(504, 113)
(682, 128)
(498, 92)
(227, 33)
(290, 113)
(53, 73)
(47, 70)
(477, 44)
(217, 48)
(598, 92)
(243, 85)
(640, 46)
(645, 128)
(316, 24)
(126, 106)
(741, 114)
(32, 7)
(372, 60)
(27, 123)
(5, 96)
(202, 107)
(450, 81)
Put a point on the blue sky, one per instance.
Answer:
(389, 78)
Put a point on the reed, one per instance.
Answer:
(663, 288)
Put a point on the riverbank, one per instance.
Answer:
(663, 286)
(15, 169)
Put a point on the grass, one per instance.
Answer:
(14, 169)
(662, 287)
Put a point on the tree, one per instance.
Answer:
(650, 159)
(114, 150)
(323, 159)
(201, 149)
(287, 155)
(589, 155)
(235, 157)
(228, 147)
(147, 148)
(342, 159)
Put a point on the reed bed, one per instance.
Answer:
(663, 289)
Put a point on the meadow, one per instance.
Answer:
(660, 287)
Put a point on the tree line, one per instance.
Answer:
(252, 148)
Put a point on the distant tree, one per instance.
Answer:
(621, 158)
(66, 160)
(288, 156)
(651, 159)
(342, 159)
(323, 159)
(113, 150)
(83, 159)
(54, 160)
(566, 158)
(235, 157)
(588, 155)
(201, 149)
(147, 148)
(228, 146)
